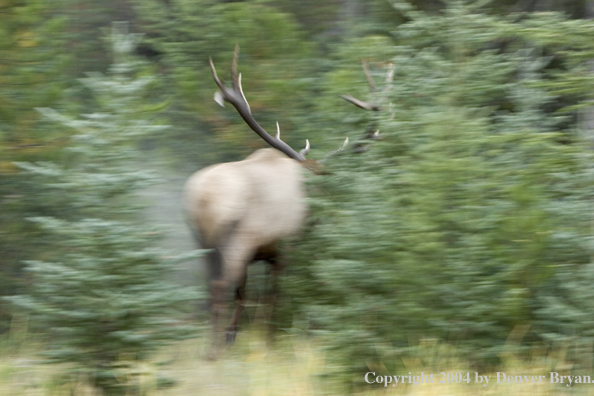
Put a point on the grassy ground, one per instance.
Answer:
(250, 367)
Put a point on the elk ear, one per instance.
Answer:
(218, 97)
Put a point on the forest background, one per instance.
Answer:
(468, 221)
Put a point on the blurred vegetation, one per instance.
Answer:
(275, 63)
(104, 298)
(33, 73)
(471, 217)
(291, 367)
(468, 221)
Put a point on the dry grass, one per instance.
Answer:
(251, 367)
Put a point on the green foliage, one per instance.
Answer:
(30, 39)
(104, 298)
(31, 74)
(274, 62)
(85, 21)
(472, 216)
(317, 17)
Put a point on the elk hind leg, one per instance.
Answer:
(236, 255)
(218, 290)
(239, 306)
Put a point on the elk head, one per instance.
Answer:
(241, 209)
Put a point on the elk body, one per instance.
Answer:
(241, 209)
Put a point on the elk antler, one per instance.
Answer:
(371, 133)
(370, 105)
(235, 96)
(359, 103)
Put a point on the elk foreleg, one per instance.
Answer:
(236, 254)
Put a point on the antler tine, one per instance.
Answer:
(236, 81)
(215, 76)
(278, 131)
(242, 94)
(368, 76)
(305, 150)
(340, 149)
(359, 103)
(390, 73)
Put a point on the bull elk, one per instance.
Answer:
(241, 209)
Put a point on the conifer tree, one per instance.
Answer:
(274, 61)
(472, 216)
(104, 301)
(32, 64)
